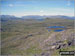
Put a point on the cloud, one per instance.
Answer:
(10, 5)
(51, 13)
(41, 11)
(16, 4)
(62, 9)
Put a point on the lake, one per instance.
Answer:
(56, 28)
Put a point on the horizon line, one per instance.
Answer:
(38, 15)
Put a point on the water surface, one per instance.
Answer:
(56, 28)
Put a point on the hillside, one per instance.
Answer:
(32, 38)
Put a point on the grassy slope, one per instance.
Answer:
(14, 33)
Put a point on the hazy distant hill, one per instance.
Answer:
(9, 17)
(33, 17)
(4, 18)
(42, 17)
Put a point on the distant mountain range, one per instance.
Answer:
(8, 17)
(43, 17)
(4, 18)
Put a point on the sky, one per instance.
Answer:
(37, 7)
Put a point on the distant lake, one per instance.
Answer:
(56, 28)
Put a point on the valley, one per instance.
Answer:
(32, 38)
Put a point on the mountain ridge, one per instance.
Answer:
(36, 17)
